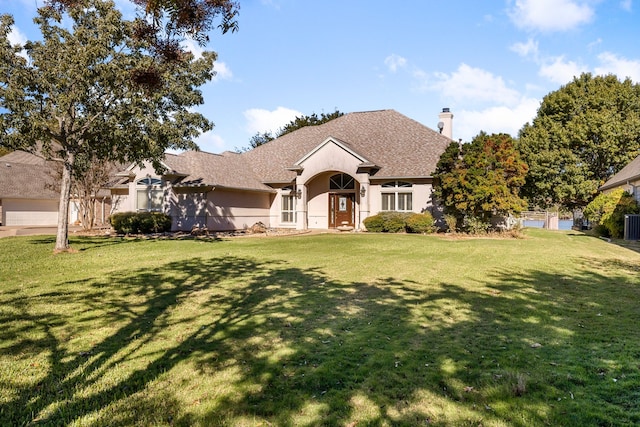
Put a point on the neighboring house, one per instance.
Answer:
(628, 179)
(30, 192)
(332, 175)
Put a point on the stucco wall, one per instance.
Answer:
(421, 194)
(236, 210)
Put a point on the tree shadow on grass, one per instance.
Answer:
(265, 342)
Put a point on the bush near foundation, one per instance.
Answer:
(399, 222)
(140, 222)
(420, 223)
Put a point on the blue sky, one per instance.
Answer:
(490, 61)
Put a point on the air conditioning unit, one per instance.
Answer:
(632, 227)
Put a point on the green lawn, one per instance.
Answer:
(344, 330)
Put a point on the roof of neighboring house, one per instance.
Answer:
(27, 176)
(398, 145)
(630, 172)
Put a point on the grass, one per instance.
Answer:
(337, 330)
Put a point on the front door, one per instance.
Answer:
(341, 209)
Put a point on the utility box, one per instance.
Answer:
(632, 227)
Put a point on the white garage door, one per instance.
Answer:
(29, 212)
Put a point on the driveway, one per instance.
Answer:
(7, 231)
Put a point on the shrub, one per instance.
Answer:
(374, 223)
(452, 223)
(395, 222)
(476, 225)
(420, 223)
(140, 222)
(608, 211)
(390, 222)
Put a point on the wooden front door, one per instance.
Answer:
(341, 209)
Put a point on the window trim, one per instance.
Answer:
(401, 193)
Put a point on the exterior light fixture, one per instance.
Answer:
(299, 193)
(363, 191)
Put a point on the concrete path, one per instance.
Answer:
(8, 231)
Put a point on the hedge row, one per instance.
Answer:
(398, 222)
(140, 222)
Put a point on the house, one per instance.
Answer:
(332, 175)
(30, 192)
(628, 179)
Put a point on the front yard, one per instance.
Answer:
(344, 330)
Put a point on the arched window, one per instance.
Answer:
(149, 194)
(342, 181)
(397, 196)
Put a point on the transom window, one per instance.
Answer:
(149, 194)
(397, 196)
(342, 181)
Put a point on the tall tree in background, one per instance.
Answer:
(299, 122)
(483, 178)
(584, 132)
(94, 91)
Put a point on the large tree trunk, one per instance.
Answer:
(62, 237)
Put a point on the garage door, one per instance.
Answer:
(29, 212)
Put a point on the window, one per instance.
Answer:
(342, 181)
(149, 194)
(288, 208)
(397, 196)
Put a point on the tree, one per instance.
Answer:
(171, 18)
(299, 122)
(312, 120)
(93, 91)
(584, 132)
(90, 176)
(478, 180)
(608, 210)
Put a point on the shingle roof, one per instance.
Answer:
(26, 176)
(398, 145)
(627, 173)
(401, 146)
(222, 170)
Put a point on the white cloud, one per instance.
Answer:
(16, 37)
(260, 120)
(469, 84)
(500, 119)
(393, 62)
(560, 71)
(223, 72)
(626, 5)
(621, 67)
(528, 49)
(550, 15)
(210, 142)
(192, 46)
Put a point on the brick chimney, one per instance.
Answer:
(445, 125)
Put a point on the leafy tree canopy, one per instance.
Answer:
(179, 17)
(91, 91)
(482, 178)
(584, 132)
